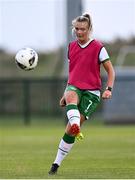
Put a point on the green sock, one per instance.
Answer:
(71, 106)
(68, 139)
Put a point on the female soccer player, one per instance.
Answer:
(82, 94)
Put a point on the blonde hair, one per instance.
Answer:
(83, 18)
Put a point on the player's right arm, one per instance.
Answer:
(62, 101)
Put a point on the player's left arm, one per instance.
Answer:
(107, 94)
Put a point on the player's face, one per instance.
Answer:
(82, 32)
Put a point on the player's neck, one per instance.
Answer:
(83, 41)
(84, 45)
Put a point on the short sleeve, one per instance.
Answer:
(103, 56)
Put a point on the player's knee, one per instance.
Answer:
(82, 119)
(71, 97)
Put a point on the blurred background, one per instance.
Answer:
(31, 121)
(45, 25)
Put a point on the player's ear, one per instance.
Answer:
(73, 32)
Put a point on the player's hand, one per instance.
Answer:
(62, 102)
(107, 94)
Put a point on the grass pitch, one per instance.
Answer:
(28, 152)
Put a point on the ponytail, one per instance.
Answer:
(84, 18)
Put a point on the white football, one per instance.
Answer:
(26, 58)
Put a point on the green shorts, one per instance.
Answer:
(88, 101)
